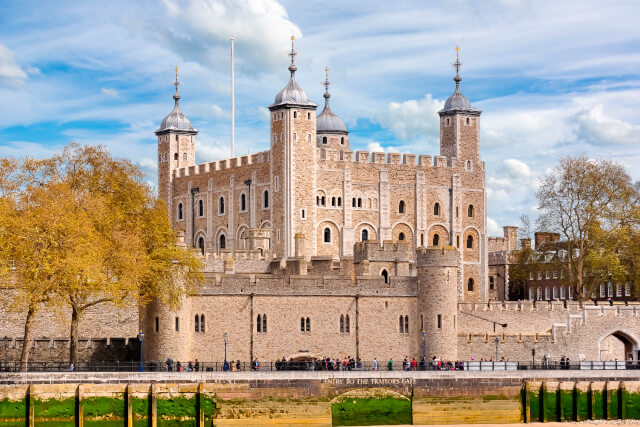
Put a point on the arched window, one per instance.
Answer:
(468, 165)
(538, 294)
(555, 292)
(322, 201)
(547, 293)
(308, 325)
(563, 293)
(347, 326)
(175, 156)
(324, 140)
(333, 201)
(264, 323)
(342, 323)
(436, 209)
(202, 323)
(295, 114)
(308, 137)
(339, 201)
(302, 324)
(365, 235)
(265, 199)
(436, 240)
(200, 208)
(243, 202)
(531, 294)
(184, 156)
(221, 205)
(308, 116)
(197, 328)
(401, 325)
(180, 213)
(295, 136)
(422, 239)
(342, 140)
(259, 323)
(406, 324)
(469, 242)
(470, 211)
(359, 202)
(353, 203)
(223, 242)
(385, 276)
(368, 203)
(401, 236)
(201, 245)
(401, 207)
(470, 285)
(327, 235)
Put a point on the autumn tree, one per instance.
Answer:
(590, 203)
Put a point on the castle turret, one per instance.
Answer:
(438, 301)
(176, 149)
(293, 132)
(330, 129)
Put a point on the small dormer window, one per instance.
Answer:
(295, 114)
(448, 122)
(342, 141)
(324, 140)
(468, 121)
(308, 116)
(175, 156)
(184, 156)
(468, 165)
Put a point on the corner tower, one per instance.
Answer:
(330, 129)
(460, 125)
(176, 146)
(293, 166)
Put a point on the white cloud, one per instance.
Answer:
(10, 72)
(200, 30)
(110, 92)
(493, 229)
(517, 169)
(413, 118)
(594, 127)
(148, 163)
(375, 147)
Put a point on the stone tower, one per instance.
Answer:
(460, 127)
(330, 129)
(293, 163)
(176, 148)
(438, 301)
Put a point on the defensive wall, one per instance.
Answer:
(317, 399)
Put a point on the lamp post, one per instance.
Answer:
(424, 345)
(497, 342)
(141, 338)
(6, 367)
(225, 367)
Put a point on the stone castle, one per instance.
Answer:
(311, 247)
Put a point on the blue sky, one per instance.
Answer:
(553, 78)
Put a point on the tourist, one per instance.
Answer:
(414, 364)
(423, 364)
(189, 366)
(196, 366)
(359, 364)
(405, 364)
(375, 364)
(390, 365)
(178, 366)
(169, 363)
(238, 365)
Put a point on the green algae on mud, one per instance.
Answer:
(372, 411)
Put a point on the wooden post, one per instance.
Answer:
(199, 408)
(622, 401)
(592, 399)
(79, 410)
(543, 409)
(30, 409)
(560, 401)
(129, 404)
(527, 403)
(153, 407)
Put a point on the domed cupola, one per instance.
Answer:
(457, 102)
(292, 94)
(176, 121)
(327, 121)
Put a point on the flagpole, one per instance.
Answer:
(233, 106)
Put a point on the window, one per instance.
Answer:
(491, 282)
(627, 290)
(327, 235)
(347, 325)
(265, 199)
(609, 290)
(342, 324)
(157, 324)
(468, 165)
(457, 211)
(184, 156)
(223, 242)
(531, 275)
(333, 201)
(436, 209)
(259, 323)
(469, 242)
(470, 211)
(555, 274)
(436, 239)
(302, 324)
(570, 292)
(308, 137)
(353, 203)
(457, 241)
(401, 325)
(221, 205)
(308, 116)
(202, 323)
(308, 325)
(439, 321)
(201, 245)
(385, 276)
(365, 235)
(470, 285)
(302, 214)
(295, 136)
(555, 292)
(359, 202)
(200, 208)
(531, 294)
(539, 293)
(197, 328)
(401, 207)
(401, 236)
(563, 293)
(177, 324)
(324, 140)
(339, 201)
(175, 156)
(368, 203)
(468, 121)
(421, 239)
(448, 122)
(539, 275)
(264, 323)
(342, 140)
(546, 274)
(276, 183)
(322, 201)
(406, 324)
(547, 293)
(295, 115)
(243, 202)
(180, 213)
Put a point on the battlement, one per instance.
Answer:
(631, 309)
(408, 159)
(224, 164)
(391, 250)
(437, 257)
(504, 338)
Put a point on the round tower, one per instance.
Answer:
(168, 333)
(331, 131)
(438, 301)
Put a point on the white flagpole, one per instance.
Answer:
(233, 106)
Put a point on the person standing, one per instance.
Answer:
(390, 365)
(375, 364)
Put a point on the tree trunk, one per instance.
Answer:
(26, 341)
(73, 336)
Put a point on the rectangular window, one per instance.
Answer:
(491, 282)
(177, 324)
(439, 321)
(157, 324)
(555, 274)
(278, 236)
(627, 290)
(602, 291)
(546, 274)
(618, 290)
(531, 275)
(276, 183)
(539, 275)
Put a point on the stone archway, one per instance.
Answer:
(618, 345)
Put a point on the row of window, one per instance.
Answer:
(221, 205)
(276, 116)
(560, 292)
(547, 274)
(356, 202)
(403, 324)
(165, 157)
(325, 141)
